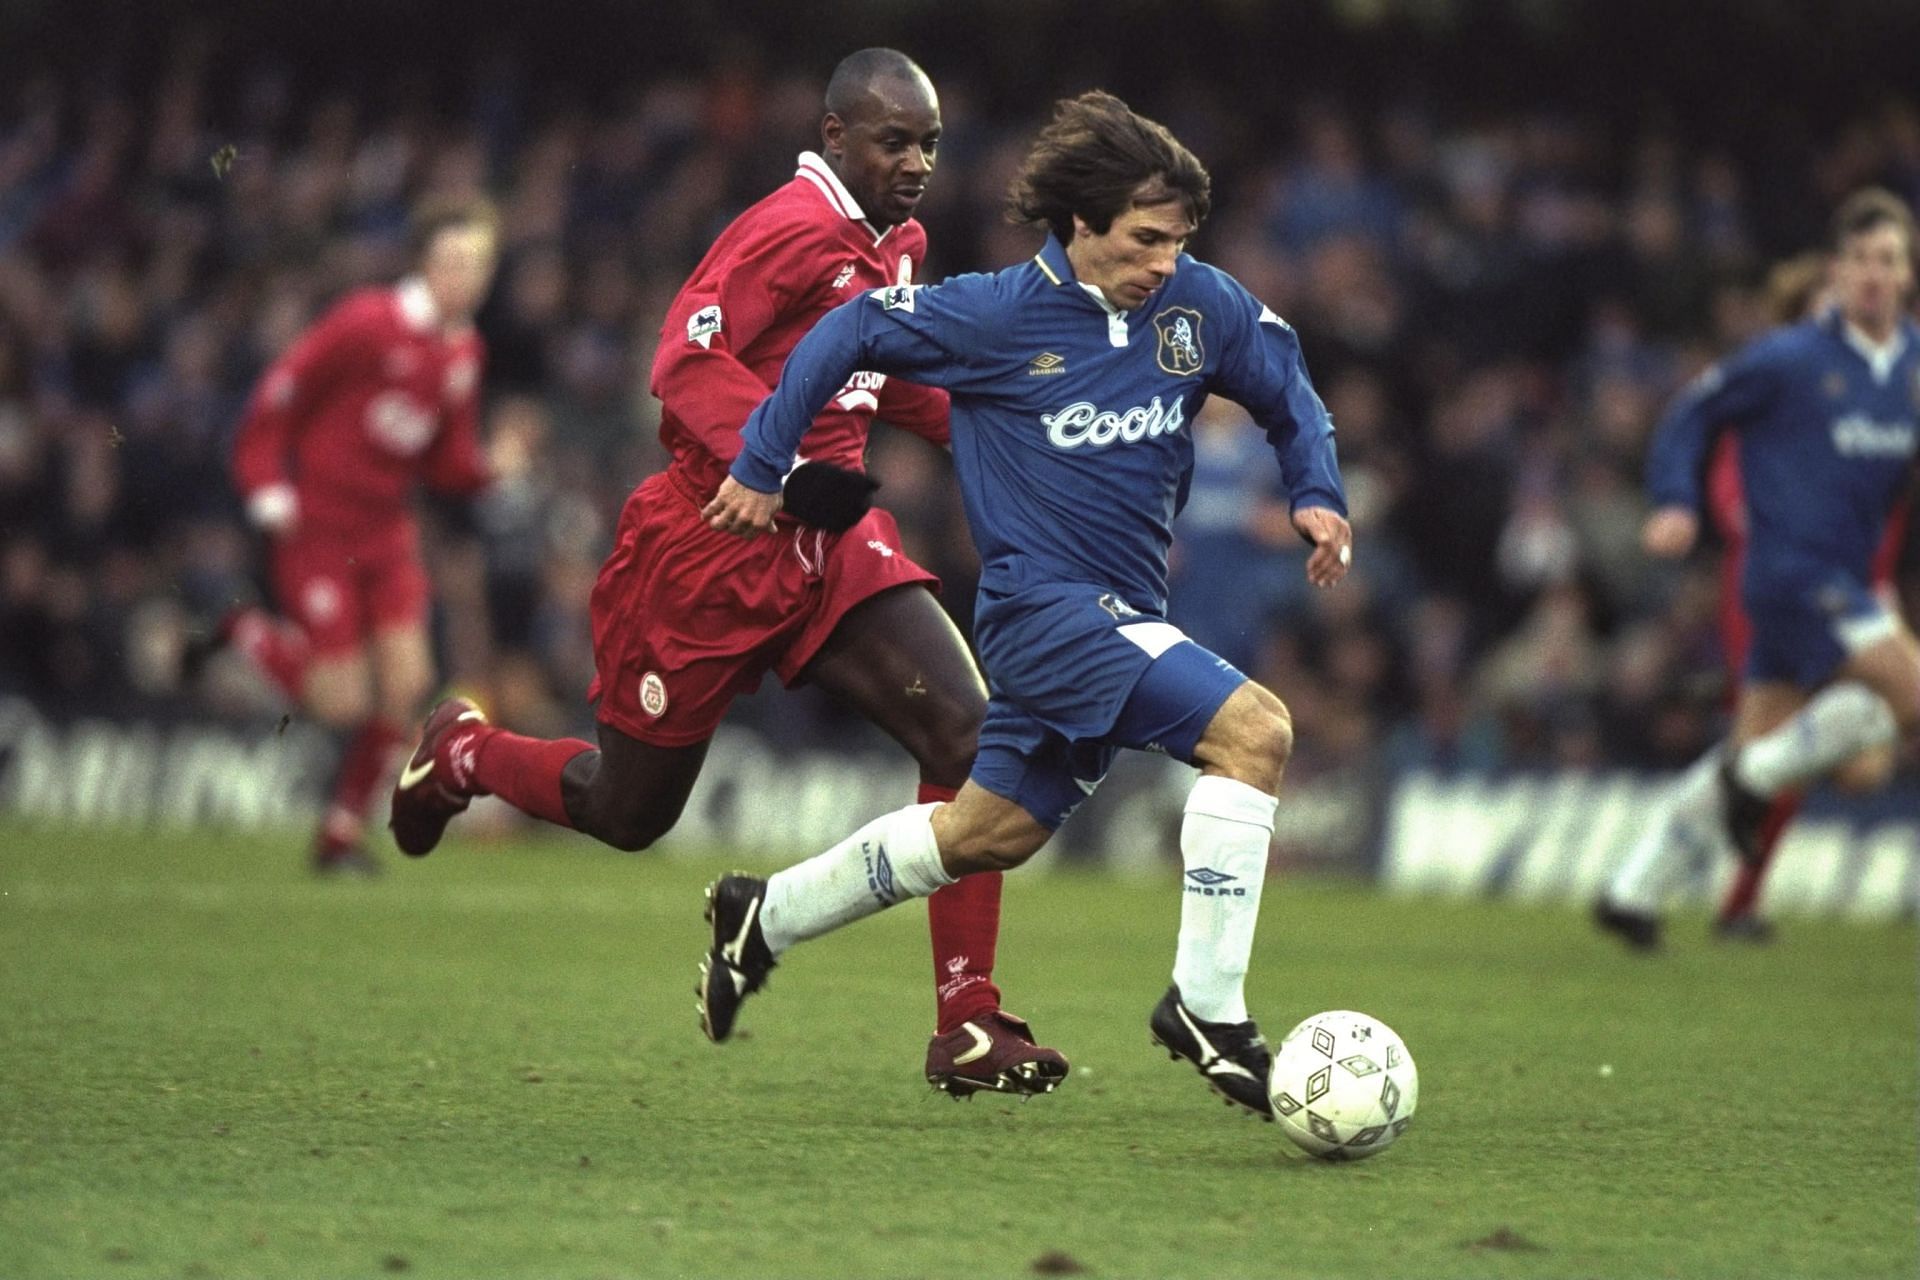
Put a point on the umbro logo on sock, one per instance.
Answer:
(879, 873)
(1209, 883)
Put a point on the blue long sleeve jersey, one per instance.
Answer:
(1069, 417)
(1827, 441)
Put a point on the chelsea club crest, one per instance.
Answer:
(1180, 352)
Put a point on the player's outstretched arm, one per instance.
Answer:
(883, 331)
(819, 366)
(1332, 539)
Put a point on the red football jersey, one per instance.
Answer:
(374, 396)
(771, 275)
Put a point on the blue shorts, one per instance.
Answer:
(1807, 620)
(1076, 674)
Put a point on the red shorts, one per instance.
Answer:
(686, 618)
(342, 590)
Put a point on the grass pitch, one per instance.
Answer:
(487, 1064)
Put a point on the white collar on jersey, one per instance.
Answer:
(1880, 359)
(416, 303)
(817, 171)
(1116, 318)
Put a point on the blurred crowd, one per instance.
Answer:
(1494, 306)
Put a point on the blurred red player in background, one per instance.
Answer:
(379, 394)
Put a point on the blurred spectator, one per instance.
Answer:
(1493, 303)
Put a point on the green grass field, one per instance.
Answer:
(487, 1064)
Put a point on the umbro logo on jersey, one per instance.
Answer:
(846, 274)
(1046, 363)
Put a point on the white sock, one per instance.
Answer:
(1688, 817)
(1223, 846)
(1841, 721)
(889, 860)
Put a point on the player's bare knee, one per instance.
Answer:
(999, 844)
(1002, 855)
(1255, 745)
(1275, 735)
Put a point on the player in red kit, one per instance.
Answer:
(686, 618)
(380, 394)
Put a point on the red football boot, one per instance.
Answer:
(994, 1053)
(426, 796)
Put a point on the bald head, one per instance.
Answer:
(880, 132)
(857, 82)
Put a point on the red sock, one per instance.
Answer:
(964, 919)
(363, 766)
(525, 772)
(276, 648)
(1744, 892)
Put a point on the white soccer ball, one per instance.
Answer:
(1343, 1085)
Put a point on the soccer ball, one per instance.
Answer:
(1343, 1085)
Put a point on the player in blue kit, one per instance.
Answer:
(1073, 378)
(1827, 413)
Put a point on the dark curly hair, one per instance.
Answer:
(1097, 158)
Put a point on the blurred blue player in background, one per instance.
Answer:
(1827, 413)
